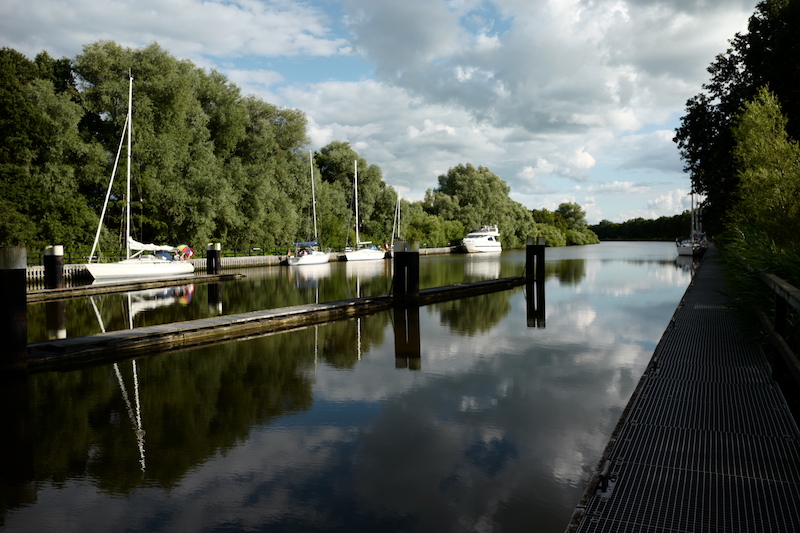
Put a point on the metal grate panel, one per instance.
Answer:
(708, 443)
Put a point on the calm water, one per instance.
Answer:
(485, 424)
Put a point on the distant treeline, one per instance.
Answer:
(211, 165)
(640, 229)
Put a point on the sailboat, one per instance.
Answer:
(365, 251)
(308, 253)
(160, 264)
(696, 244)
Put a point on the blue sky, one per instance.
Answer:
(565, 100)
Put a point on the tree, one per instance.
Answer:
(769, 171)
(574, 215)
(45, 163)
(766, 55)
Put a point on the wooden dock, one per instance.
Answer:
(707, 442)
(123, 344)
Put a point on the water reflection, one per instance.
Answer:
(325, 429)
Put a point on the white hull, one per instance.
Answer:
(365, 254)
(310, 258)
(484, 240)
(145, 267)
(482, 247)
(686, 250)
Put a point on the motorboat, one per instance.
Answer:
(485, 239)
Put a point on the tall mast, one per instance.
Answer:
(313, 196)
(128, 192)
(355, 187)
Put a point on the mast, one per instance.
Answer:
(128, 188)
(355, 188)
(313, 196)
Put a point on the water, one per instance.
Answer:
(486, 424)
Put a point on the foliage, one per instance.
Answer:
(474, 197)
(208, 165)
(765, 56)
(660, 229)
(768, 165)
(553, 236)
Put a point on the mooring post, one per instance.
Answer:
(13, 310)
(406, 271)
(530, 260)
(54, 267)
(214, 258)
(540, 259)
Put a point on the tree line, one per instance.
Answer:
(739, 142)
(738, 137)
(209, 165)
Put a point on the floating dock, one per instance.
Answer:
(707, 442)
(148, 340)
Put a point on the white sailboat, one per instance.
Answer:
(308, 253)
(696, 244)
(365, 251)
(136, 264)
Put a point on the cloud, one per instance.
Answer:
(545, 94)
(188, 28)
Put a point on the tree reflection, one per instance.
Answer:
(477, 314)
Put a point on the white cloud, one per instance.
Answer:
(545, 94)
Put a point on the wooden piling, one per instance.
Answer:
(54, 267)
(13, 310)
(214, 258)
(406, 271)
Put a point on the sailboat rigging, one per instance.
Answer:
(308, 253)
(135, 265)
(365, 250)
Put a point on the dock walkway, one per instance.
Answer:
(707, 442)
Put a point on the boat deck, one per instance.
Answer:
(707, 442)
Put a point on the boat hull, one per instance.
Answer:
(310, 258)
(140, 268)
(482, 247)
(365, 254)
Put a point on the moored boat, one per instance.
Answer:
(485, 239)
(308, 253)
(365, 250)
(163, 261)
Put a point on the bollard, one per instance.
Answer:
(540, 260)
(54, 267)
(214, 258)
(530, 260)
(13, 309)
(406, 271)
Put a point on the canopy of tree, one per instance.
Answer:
(640, 229)
(766, 56)
(209, 164)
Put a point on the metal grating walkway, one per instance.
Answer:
(707, 443)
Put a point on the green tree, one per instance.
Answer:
(766, 55)
(769, 171)
(45, 163)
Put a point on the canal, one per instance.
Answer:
(491, 421)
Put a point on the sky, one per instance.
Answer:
(564, 100)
